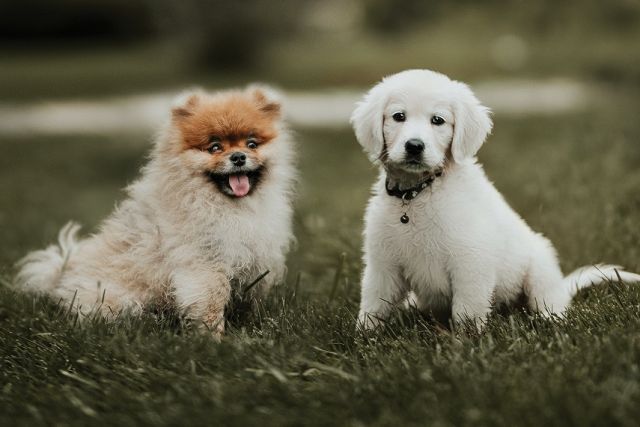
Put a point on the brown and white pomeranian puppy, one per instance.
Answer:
(212, 209)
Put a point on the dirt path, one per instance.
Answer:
(330, 108)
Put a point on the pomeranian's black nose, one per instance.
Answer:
(238, 158)
(414, 146)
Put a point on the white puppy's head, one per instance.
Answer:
(415, 120)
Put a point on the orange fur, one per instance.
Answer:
(231, 117)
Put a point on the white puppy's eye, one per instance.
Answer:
(437, 120)
(399, 116)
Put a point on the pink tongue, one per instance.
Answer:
(239, 185)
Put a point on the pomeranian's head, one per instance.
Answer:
(230, 137)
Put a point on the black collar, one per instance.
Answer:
(411, 193)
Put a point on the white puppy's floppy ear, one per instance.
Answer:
(472, 124)
(367, 122)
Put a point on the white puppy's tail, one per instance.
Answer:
(41, 270)
(591, 275)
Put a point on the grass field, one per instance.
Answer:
(298, 361)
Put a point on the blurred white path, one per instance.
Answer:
(328, 108)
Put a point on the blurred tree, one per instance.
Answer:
(229, 34)
(212, 33)
(542, 16)
(69, 21)
(389, 16)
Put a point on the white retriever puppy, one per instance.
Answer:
(435, 224)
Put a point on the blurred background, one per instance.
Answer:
(84, 83)
(72, 48)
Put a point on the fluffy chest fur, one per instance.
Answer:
(202, 228)
(419, 248)
(460, 216)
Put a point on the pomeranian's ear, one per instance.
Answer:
(472, 124)
(268, 99)
(184, 104)
(367, 121)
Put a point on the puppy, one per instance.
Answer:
(211, 210)
(435, 224)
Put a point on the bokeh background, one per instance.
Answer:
(84, 83)
(71, 48)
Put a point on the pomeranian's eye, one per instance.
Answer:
(215, 147)
(252, 143)
(399, 116)
(437, 120)
(214, 144)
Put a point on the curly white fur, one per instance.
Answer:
(464, 247)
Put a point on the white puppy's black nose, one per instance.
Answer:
(238, 158)
(414, 146)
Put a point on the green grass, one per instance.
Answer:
(297, 360)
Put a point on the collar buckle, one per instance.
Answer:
(410, 193)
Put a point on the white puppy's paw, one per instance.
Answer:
(368, 321)
(466, 323)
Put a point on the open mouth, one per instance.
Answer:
(237, 184)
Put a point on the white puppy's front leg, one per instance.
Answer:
(202, 295)
(382, 289)
(472, 291)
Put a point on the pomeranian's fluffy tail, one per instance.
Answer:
(591, 275)
(41, 270)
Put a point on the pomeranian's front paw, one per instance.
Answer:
(214, 323)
